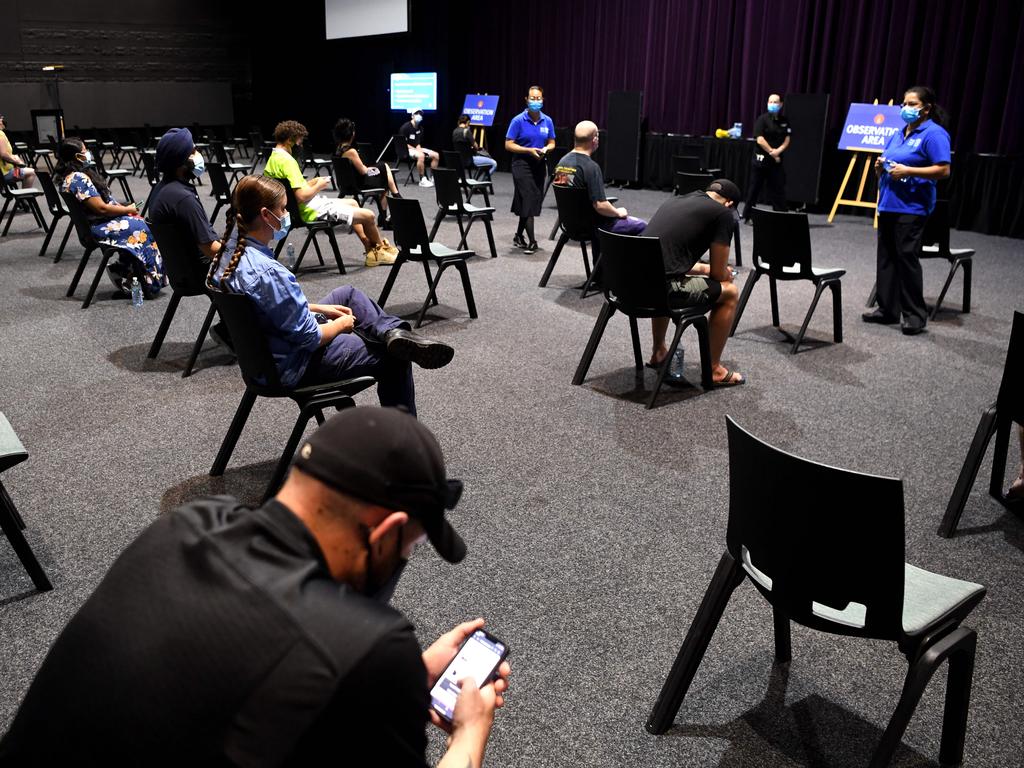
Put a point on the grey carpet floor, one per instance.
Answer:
(593, 525)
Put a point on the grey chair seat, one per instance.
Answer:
(930, 598)
(22, 193)
(11, 450)
(117, 173)
(440, 251)
(822, 273)
(472, 210)
(933, 250)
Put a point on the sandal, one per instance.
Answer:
(728, 380)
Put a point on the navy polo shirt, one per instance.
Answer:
(524, 132)
(928, 144)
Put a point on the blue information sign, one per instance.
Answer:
(481, 109)
(868, 127)
(413, 90)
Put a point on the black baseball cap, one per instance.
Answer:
(725, 188)
(386, 457)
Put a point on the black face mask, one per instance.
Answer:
(383, 590)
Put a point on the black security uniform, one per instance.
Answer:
(219, 637)
(764, 168)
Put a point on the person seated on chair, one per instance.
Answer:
(463, 141)
(317, 207)
(411, 131)
(375, 175)
(351, 337)
(111, 223)
(688, 226)
(13, 168)
(577, 169)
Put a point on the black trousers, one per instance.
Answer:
(762, 172)
(528, 177)
(900, 283)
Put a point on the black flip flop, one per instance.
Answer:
(728, 382)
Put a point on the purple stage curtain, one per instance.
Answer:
(704, 64)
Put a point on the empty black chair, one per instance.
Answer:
(402, 157)
(998, 420)
(633, 279)
(220, 154)
(318, 164)
(45, 152)
(686, 164)
(186, 273)
(313, 228)
(686, 182)
(414, 245)
(20, 200)
(935, 240)
(127, 144)
(782, 250)
(148, 159)
(259, 372)
(57, 212)
(478, 172)
(449, 203)
(578, 222)
(90, 244)
(823, 558)
(120, 174)
(12, 452)
(456, 162)
(220, 190)
(350, 184)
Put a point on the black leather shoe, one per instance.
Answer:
(911, 330)
(876, 316)
(408, 345)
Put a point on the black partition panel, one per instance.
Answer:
(622, 151)
(807, 113)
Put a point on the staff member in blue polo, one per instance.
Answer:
(913, 160)
(530, 136)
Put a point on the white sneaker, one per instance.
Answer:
(425, 182)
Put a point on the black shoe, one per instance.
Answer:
(408, 345)
(911, 330)
(518, 241)
(877, 316)
(120, 281)
(531, 247)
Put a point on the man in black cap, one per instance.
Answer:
(689, 225)
(225, 635)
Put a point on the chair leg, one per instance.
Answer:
(585, 292)
(466, 287)
(490, 237)
(551, 262)
(968, 266)
(968, 473)
(430, 279)
(959, 643)
(38, 213)
(783, 646)
(872, 297)
(945, 287)
(390, 282)
(663, 368)
(49, 234)
(302, 253)
(78, 272)
(165, 323)
(125, 189)
(638, 355)
(999, 452)
(198, 346)
(586, 258)
(306, 413)
(227, 447)
(9, 518)
(213, 216)
(5, 499)
(431, 293)
(463, 231)
(818, 289)
(748, 286)
(554, 229)
(96, 279)
(728, 576)
(10, 219)
(773, 290)
(704, 344)
(595, 338)
(332, 238)
(739, 246)
(437, 223)
(316, 247)
(64, 242)
(836, 287)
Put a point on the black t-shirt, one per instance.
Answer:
(577, 169)
(218, 637)
(774, 128)
(687, 226)
(412, 133)
(176, 203)
(462, 140)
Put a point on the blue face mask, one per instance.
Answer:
(89, 162)
(910, 114)
(535, 105)
(774, 108)
(198, 165)
(285, 223)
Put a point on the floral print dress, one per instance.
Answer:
(129, 233)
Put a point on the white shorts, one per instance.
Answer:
(334, 209)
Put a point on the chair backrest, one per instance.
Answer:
(11, 450)
(456, 162)
(185, 269)
(248, 339)
(633, 274)
(686, 164)
(1011, 391)
(823, 544)
(345, 176)
(77, 212)
(782, 240)
(219, 152)
(936, 228)
(149, 163)
(575, 211)
(686, 182)
(293, 203)
(401, 148)
(97, 158)
(53, 201)
(410, 230)
(219, 182)
(446, 189)
(551, 158)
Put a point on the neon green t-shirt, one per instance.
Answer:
(5, 145)
(282, 165)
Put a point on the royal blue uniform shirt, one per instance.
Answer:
(524, 132)
(928, 144)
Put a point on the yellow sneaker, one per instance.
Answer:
(389, 247)
(378, 255)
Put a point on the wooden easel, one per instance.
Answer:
(480, 136)
(858, 201)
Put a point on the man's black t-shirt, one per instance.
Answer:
(774, 128)
(412, 133)
(219, 637)
(176, 203)
(577, 169)
(687, 226)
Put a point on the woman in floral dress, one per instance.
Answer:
(112, 223)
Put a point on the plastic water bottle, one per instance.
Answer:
(136, 292)
(736, 131)
(675, 369)
(289, 256)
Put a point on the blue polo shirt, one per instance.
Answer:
(524, 132)
(928, 144)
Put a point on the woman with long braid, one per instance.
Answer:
(344, 336)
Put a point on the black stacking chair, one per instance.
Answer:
(686, 164)
(449, 203)
(57, 212)
(686, 182)
(313, 228)
(111, 174)
(998, 420)
(470, 186)
(187, 275)
(350, 184)
(821, 557)
(127, 145)
(402, 157)
(220, 154)
(935, 241)
(90, 244)
(12, 452)
(633, 279)
(259, 372)
(317, 163)
(578, 222)
(220, 190)
(262, 156)
(414, 245)
(782, 250)
(466, 156)
(20, 200)
(47, 153)
(365, 150)
(551, 161)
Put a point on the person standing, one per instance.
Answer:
(772, 133)
(530, 136)
(912, 161)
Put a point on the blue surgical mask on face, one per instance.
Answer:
(535, 105)
(89, 161)
(285, 223)
(774, 108)
(198, 165)
(910, 114)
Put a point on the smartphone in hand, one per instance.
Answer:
(479, 657)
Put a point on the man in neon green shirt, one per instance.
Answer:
(317, 207)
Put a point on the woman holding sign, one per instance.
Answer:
(530, 136)
(912, 161)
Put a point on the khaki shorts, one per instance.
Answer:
(693, 291)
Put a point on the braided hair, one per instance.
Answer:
(68, 163)
(252, 194)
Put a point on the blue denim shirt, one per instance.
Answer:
(292, 332)
(928, 144)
